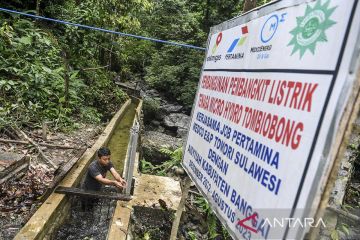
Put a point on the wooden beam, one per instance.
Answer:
(93, 194)
(15, 172)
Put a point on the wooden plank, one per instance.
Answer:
(94, 194)
(22, 168)
(61, 173)
(10, 162)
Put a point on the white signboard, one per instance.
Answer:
(272, 84)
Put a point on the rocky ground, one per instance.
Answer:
(166, 126)
(21, 195)
(346, 192)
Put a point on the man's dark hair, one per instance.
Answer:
(103, 151)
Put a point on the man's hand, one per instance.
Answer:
(117, 184)
(120, 184)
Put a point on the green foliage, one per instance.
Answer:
(123, 55)
(192, 235)
(225, 233)
(175, 156)
(35, 65)
(262, 2)
(31, 74)
(344, 228)
(212, 224)
(210, 216)
(203, 205)
(161, 170)
(211, 220)
(175, 72)
(151, 108)
(146, 167)
(334, 235)
(146, 236)
(353, 146)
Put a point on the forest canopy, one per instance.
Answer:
(60, 73)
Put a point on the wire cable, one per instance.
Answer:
(103, 30)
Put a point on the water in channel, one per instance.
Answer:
(93, 224)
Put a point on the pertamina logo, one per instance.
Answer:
(214, 57)
(236, 44)
(267, 33)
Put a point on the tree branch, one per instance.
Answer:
(36, 146)
(41, 144)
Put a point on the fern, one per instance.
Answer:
(212, 225)
(162, 169)
(146, 166)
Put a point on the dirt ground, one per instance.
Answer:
(23, 194)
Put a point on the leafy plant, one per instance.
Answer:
(161, 170)
(146, 236)
(192, 235)
(146, 167)
(344, 228)
(38, 81)
(225, 233)
(211, 219)
(151, 108)
(334, 235)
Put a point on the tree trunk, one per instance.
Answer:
(38, 7)
(66, 79)
(207, 14)
(249, 4)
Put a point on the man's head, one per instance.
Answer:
(104, 155)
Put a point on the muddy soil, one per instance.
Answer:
(150, 223)
(21, 196)
(94, 222)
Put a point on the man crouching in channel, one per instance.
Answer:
(96, 176)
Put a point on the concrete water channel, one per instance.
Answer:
(61, 216)
(94, 223)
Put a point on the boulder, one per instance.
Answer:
(178, 122)
(153, 141)
(171, 108)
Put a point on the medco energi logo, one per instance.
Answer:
(267, 33)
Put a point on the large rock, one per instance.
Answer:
(171, 108)
(178, 122)
(152, 143)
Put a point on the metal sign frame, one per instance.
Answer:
(325, 163)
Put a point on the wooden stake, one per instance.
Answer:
(175, 225)
(44, 130)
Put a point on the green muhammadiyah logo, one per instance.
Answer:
(311, 28)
